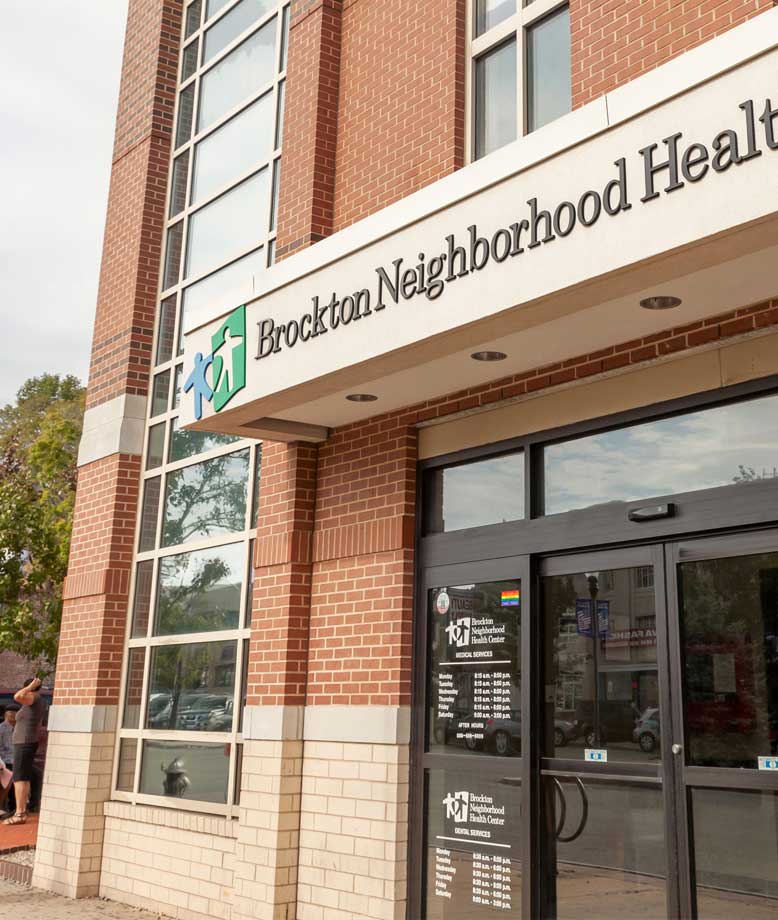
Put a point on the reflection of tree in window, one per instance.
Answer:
(200, 591)
(206, 499)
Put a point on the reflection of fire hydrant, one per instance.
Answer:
(176, 781)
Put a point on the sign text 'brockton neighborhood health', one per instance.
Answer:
(665, 169)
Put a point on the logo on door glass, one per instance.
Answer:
(457, 806)
(226, 363)
(459, 632)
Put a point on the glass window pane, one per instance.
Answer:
(495, 99)
(229, 152)
(473, 854)
(233, 24)
(178, 184)
(128, 750)
(271, 253)
(237, 76)
(192, 687)
(284, 39)
(193, 17)
(489, 13)
(722, 446)
(735, 853)
(605, 690)
(142, 602)
(175, 236)
(177, 396)
(200, 591)
(213, 7)
(189, 60)
(133, 688)
(249, 599)
(228, 225)
(229, 286)
(167, 324)
(206, 499)
(549, 86)
(149, 510)
(185, 443)
(280, 114)
(156, 448)
(616, 867)
(159, 398)
(475, 665)
(729, 645)
(274, 202)
(257, 485)
(474, 494)
(182, 770)
(185, 115)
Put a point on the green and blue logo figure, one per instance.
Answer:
(226, 362)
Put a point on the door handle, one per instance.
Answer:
(677, 748)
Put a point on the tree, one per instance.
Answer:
(39, 437)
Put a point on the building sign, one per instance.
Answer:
(475, 661)
(221, 374)
(473, 867)
(680, 171)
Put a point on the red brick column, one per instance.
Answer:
(310, 125)
(278, 656)
(88, 676)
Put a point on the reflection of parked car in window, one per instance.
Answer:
(617, 720)
(646, 732)
(195, 716)
(220, 720)
(500, 736)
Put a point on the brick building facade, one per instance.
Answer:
(270, 577)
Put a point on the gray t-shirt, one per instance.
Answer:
(28, 718)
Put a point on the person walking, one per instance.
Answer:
(7, 801)
(25, 741)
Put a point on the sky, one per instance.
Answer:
(60, 62)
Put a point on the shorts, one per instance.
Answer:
(24, 760)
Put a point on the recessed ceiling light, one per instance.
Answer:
(361, 397)
(488, 356)
(660, 302)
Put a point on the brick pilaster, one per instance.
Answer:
(310, 124)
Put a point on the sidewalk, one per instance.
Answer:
(19, 901)
(18, 835)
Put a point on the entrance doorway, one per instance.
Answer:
(653, 791)
(664, 800)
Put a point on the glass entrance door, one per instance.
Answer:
(659, 748)
(723, 605)
(608, 849)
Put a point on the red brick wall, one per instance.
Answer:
(282, 576)
(362, 595)
(129, 276)
(97, 586)
(401, 102)
(614, 41)
(310, 125)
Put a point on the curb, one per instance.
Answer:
(13, 871)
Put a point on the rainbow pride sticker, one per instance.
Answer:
(510, 598)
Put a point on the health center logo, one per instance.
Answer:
(226, 362)
(459, 632)
(457, 806)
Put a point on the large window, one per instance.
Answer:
(520, 69)
(180, 739)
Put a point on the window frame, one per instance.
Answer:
(245, 536)
(513, 27)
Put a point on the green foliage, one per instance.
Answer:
(39, 437)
